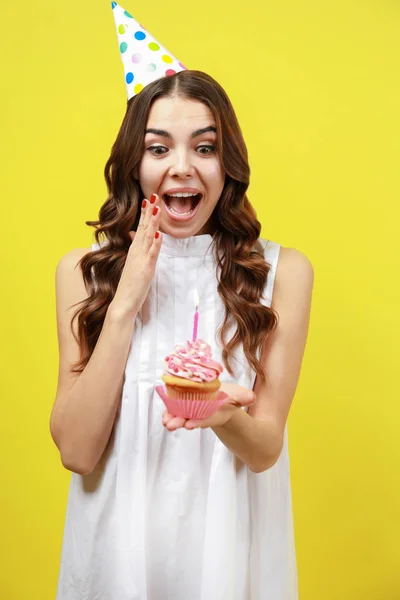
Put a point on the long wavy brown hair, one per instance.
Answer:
(242, 270)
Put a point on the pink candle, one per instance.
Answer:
(195, 325)
(196, 315)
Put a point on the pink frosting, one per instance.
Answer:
(193, 361)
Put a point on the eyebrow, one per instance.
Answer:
(166, 134)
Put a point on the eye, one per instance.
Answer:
(209, 148)
(152, 149)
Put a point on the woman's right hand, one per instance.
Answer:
(141, 260)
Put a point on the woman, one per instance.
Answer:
(157, 510)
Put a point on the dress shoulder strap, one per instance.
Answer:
(94, 248)
(98, 246)
(271, 255)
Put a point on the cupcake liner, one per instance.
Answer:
(193, 408)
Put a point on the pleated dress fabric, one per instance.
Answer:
(175, 515)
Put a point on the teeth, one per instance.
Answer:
(182, 195)
(179, 213)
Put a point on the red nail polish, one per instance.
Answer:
(155, 210)
(144, 203)
(152, 198)
(156, 235)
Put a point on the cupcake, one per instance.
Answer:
(192, 382)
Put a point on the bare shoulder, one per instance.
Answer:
(294, 281)
(71, 258)
(70, 285)
(294, 257)
(294, 268)
(67, 268)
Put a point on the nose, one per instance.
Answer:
(181, 165)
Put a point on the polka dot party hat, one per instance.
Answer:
(144, 59)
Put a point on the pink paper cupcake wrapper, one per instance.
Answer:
(193, 408)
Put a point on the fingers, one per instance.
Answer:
(238, 394)
(244, 398)
(173, 423)
(148, 228)
(192, 424)
(150, 216)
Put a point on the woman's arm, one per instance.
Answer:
(257, 437)
(257, 443)
(86, 404)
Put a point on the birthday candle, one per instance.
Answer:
(196, 315)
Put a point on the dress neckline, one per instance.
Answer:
(196, 245)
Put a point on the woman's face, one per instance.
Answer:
(180, 157)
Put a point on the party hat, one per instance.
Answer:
(144, 58)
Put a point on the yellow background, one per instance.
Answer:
(316, 88)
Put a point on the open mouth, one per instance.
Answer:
(182, 207)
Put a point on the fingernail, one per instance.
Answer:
(144, 203)
(156, 235)
(152, 198)
(155, 210)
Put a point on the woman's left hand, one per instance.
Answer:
(238, 396)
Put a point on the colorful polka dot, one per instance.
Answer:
(139, 35)
(123, 47)
(154, 46)
(127, 14)
(113, 5)
(122, 29)
(138, 88)
(151, 67)
(129, 77)
(137, 58)
(183, 66)
(169, 72)
(167, 59)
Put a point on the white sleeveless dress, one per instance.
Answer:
(175, 515)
